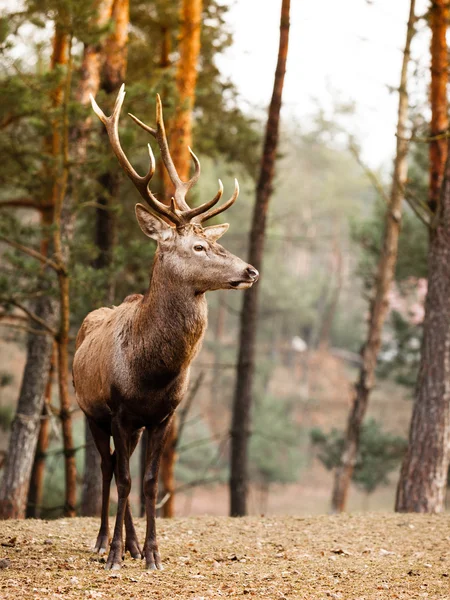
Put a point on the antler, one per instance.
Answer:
(179, 212)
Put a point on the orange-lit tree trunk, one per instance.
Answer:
(438, 16)
(242, 402)
(380, 303)
(26, 424)
(180, 138)
(91, 495)
(62, 226)
(180, 127)
(423, 477)
(167, 467)
(113, 73)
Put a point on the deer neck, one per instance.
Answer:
(172, 319)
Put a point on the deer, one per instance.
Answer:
(132, 362)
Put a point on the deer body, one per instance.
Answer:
(131, 365)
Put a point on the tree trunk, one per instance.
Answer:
(168, 460)
(26, 424)
(106, 65)
(180, 136)
(380, 303)
(112, 77)
(63, 227)
(423, 477)
(240, 428)
(439, 12)
(37, 475)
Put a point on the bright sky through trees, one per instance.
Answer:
(348, 50)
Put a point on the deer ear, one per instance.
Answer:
(151, 225)
(214, 232)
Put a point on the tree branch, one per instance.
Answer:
(33, 316)
(20, 203)
(33, 253)
(370, 174)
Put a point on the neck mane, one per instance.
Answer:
(171, 319)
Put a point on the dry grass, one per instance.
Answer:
(348, 557)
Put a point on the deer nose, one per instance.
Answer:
(252, 273)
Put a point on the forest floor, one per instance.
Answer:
(379, 556)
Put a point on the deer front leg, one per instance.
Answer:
(155, 445)
(102, 441)
(122, 438)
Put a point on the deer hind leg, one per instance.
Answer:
(131, 540)
(155, 445)
(123, 443)
(102, 441)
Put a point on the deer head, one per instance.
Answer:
(191, 252)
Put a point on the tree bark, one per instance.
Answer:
(106, 67)
(439, 13)
(37, 475)
(423, 477)
(180, 138)
(242, 402)
(26, 424)
(168, 460)
(112, 76)
(62, 225)
(91, 495)
(380, 303)
(180, 135)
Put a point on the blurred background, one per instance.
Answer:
(64, 197)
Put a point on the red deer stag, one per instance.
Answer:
(131, 366)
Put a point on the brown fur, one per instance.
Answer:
(131, 366)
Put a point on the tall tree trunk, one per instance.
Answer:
(423, 477)
(438, 17)
(380, 303)
(180, 136)
(63, 227)
(168, 460)
(37, 475)
(26, 424)
(242, 401)
(106, 67)
(112, 76)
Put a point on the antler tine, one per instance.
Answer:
(204, 216)
(193, 180)
(181, 188)
(162, 209)
(112, 127)
(197, 210)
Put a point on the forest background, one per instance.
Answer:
(324, 236)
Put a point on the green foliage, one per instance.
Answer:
(6, 417)
(200, 453)
(379, 453)
(400, 357)
(275, 441)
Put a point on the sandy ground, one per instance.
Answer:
(350, 557)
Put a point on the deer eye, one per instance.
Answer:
(199, 248)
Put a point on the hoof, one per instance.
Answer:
(114, 561)
(153, 560)
(132, 546)
(101, 545)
